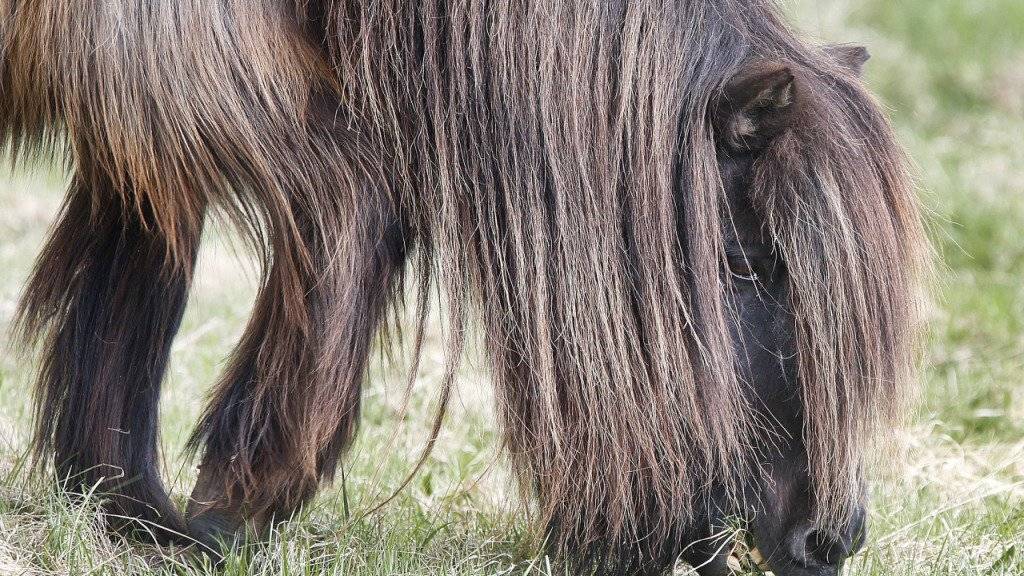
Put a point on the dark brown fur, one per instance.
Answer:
(550, 165)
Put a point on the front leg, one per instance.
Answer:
(288, 404)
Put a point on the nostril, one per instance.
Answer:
(802, 542)
(827, 549)
(815, 547)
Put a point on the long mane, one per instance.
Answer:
(556, 166)
(567, 150)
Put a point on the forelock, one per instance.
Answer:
(838, 202)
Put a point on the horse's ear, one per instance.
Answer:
(849, 56)
(755, 106)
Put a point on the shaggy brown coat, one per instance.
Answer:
(550, 165)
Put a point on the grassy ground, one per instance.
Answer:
(951, 501)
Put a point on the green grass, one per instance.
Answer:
(948, 501)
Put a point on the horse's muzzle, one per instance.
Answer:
(807, 550)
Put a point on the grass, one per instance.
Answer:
(948, 502)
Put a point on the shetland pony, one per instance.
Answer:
(687, 234)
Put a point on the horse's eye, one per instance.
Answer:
(741, 269)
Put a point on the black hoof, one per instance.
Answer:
(216, 534)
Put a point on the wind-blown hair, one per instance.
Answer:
(553, 167)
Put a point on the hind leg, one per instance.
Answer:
(289, 402)
(105, 299)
